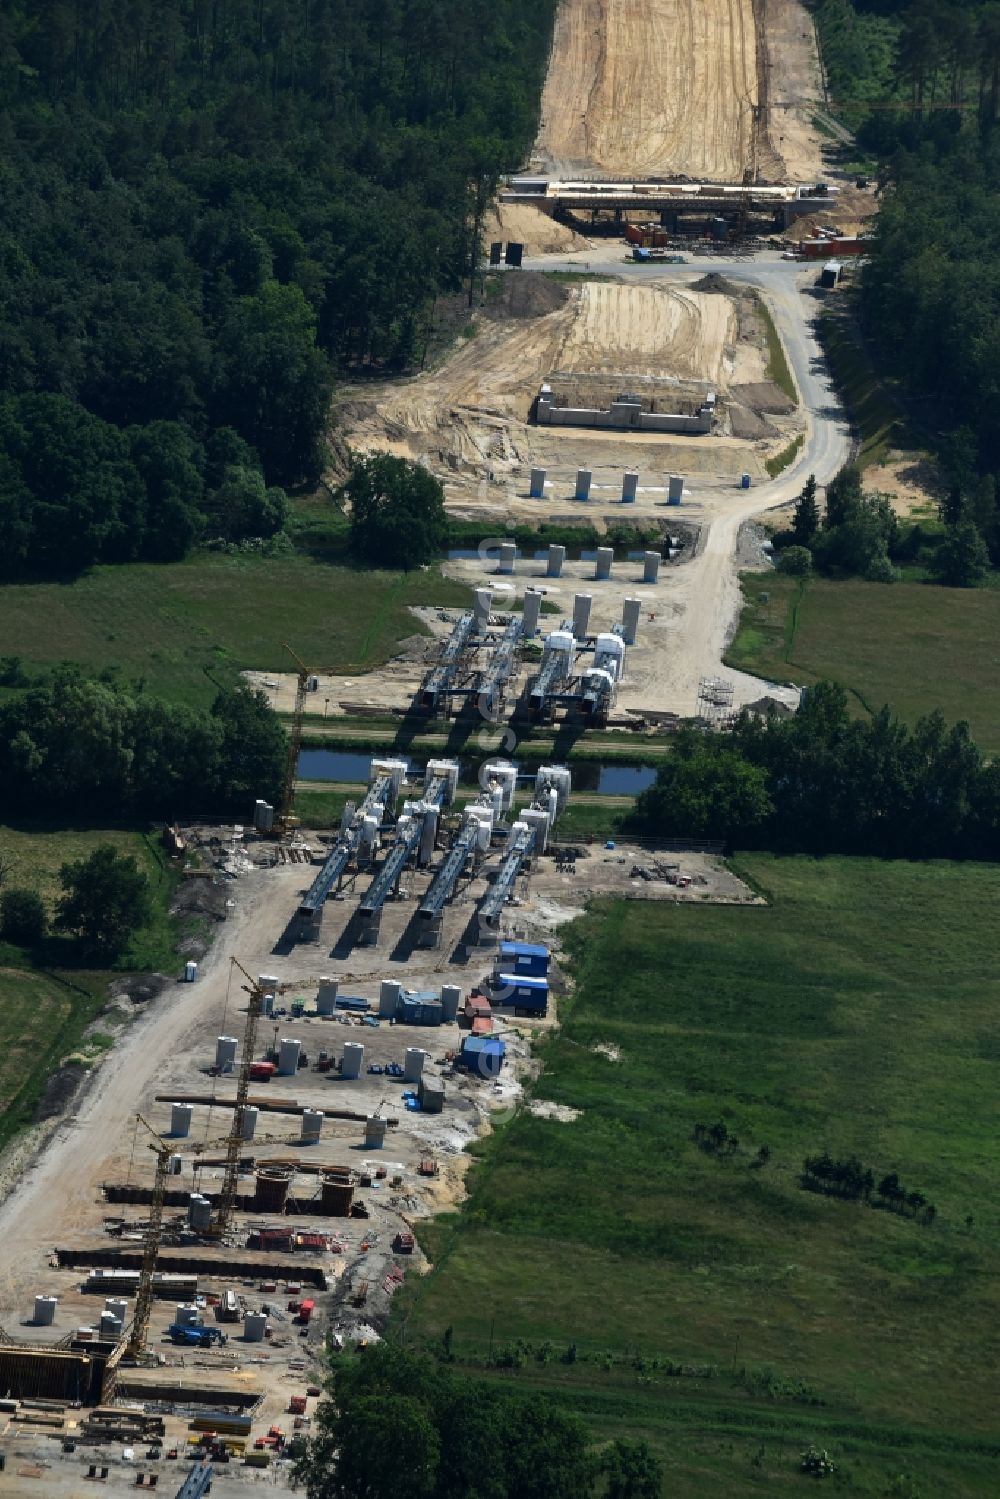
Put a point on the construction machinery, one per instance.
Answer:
(195, 1337)
(235, 1143)
(284, 821)
(166, 1153)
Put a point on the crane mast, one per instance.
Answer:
(234, 1144)
(150, 1247)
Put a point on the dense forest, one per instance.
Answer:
(209, 207)
(930, 299)
(98, 750)
(823, 782)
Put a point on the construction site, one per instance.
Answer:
(239, 1186)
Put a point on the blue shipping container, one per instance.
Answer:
(524, 958)
(483, 1054)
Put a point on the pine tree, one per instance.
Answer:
(806, 522)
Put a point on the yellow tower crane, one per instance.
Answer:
(234, 1145)
(164, 1150)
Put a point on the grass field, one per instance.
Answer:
(192, 625)
(717, 1309)
(45, 1009)
(914, 647)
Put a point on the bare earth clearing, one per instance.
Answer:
(468, 420)
(659, 88)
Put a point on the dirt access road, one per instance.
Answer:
(668, 87)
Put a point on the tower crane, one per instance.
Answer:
(227, 1199)
(284, 821)
(164, 1150)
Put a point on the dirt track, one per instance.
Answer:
(650, 87)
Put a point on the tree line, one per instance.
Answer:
(855, 1182)
(389, 1411)
(92, 749)
(823, 782)
(208, 210)
(930, 288)
(857, 534)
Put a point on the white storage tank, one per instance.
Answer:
(199, 1213)
(538, 819)
(181, 1115)
(631, 611)
(45, 1310)
(508, 552)
(505, 776)
(557, 556)
(254, 1327)
(225, 1052)
(388, 997)
(630, 487)
(312, 1125)
(187, 1316)
(190, 972)
(451, 998)
(483, 606)
(413, 1064)
(602, 565)
(651, 567)
(536, 486)
(249, 1122)
(532, 609)
(353, 1060)
(326, 998)
(288, 1056)
(584, 477)
(558, 778)
(675, 488)
(612, 648)
(581, 614)
(374, 1133)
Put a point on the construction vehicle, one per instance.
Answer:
(403, 1243)
(195, 1337)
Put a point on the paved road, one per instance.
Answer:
(711, 590)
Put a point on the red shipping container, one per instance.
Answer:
(306, 1310)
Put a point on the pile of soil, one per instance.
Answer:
(140, 988)
(201, 897)
(526, 294)
(60, 1090)
(763, 395)
(746, 424)
(715, 285)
